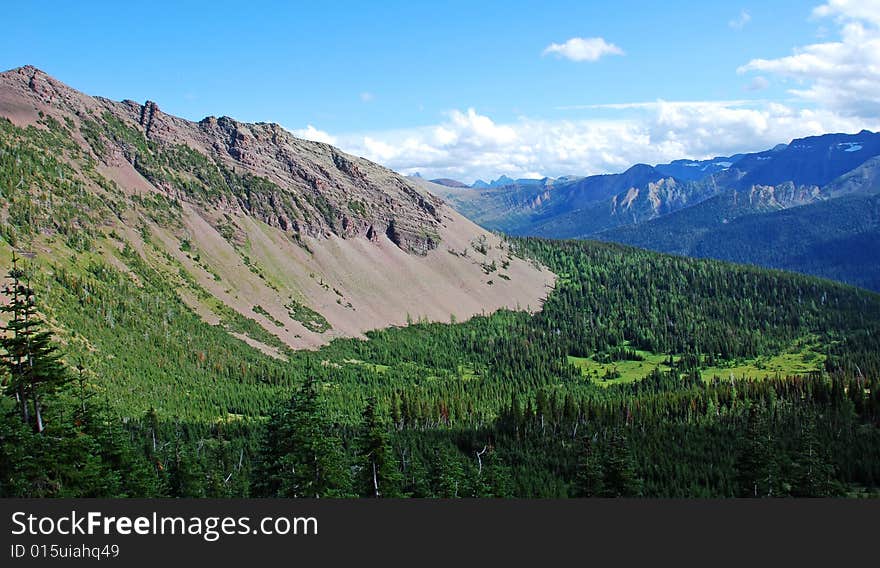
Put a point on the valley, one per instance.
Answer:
(241, 313)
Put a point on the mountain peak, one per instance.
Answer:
(280, 224)
(640, 169)
(324, 180)
(31, 73)
(25, 70)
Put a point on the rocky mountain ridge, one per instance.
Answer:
(320, 189)
(787, 175)
(283, 242)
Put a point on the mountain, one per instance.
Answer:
(296, 237)
(580, 207)
(694, 170)
(505, 181)
(813, 223)
(500, 182)
(559, 208)
(816, 160)
(684, 207)
(864, 179)
(835, 238)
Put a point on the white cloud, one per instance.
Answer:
(583, 49)
(366, 96)
(836, 84)
(312, 133)
(468, 145)
(476, 130)
(741, 21)
(866, 10)
(843, 75)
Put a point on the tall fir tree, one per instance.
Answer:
(758, 472)
(620, 477)
(378, 469)
(301, 455)
(31, 359)
(590, 475)
(816, 475)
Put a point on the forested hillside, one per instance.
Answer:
(643, 374)
(835, 239)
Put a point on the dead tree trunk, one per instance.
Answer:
(38, 414)
(480, 460)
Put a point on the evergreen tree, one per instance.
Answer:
(816, 475)
(301, 455)
(492, 475)
(449, 477)
(621, 479)
(757, 466)
(20, 469)
(590, 475)
(378, 470)
(29, 355)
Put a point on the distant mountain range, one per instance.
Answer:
(808, 206)
(503, 181)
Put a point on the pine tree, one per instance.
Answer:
(29, 355)
(816, 475)
(449, 474)
(757, 467)
(621, 479)
(492, 476)
(378, 471)
(301, 456)
(590, 475)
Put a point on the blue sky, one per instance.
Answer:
(461, 89)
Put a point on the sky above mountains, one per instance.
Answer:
(451, 89)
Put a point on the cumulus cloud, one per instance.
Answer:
(866, 10)
(740, 22)
(836, 86)
(843, 75)
(469, 145)
(583, 49)
(312, 133)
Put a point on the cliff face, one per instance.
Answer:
(299, 237)
(318, 189)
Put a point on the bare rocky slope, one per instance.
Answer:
(310, 242)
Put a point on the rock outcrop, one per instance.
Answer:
(314, 189)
